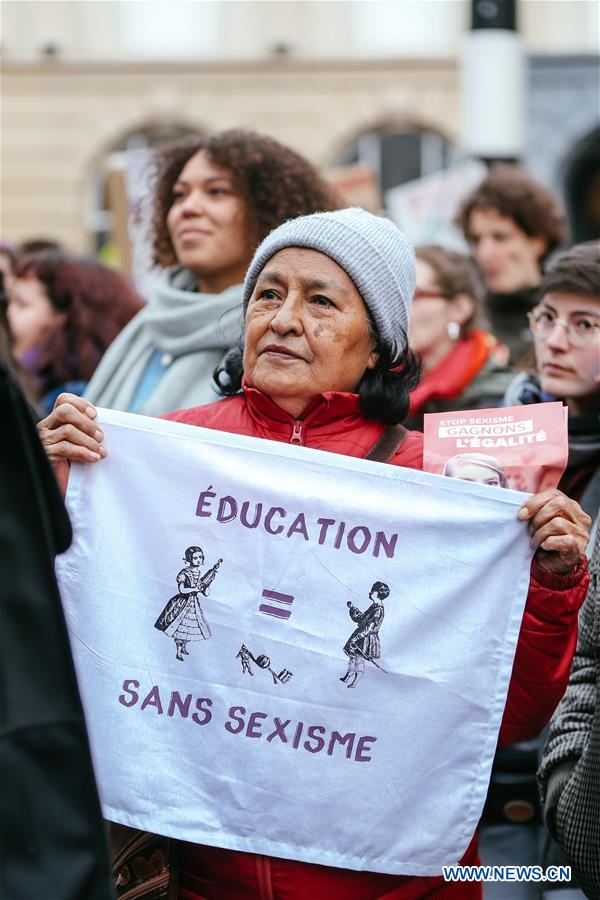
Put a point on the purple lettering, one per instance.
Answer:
(362, 745)
(337, 738)
(279, 730)
(201, 703)
(223, 516)
(382, 542)
(298, 526)
(233, 714)
(297, 735)
(253, 727)
(340, 534)
(269, 516)
(313, 736)
(183, 706)
(153, 699)
(324, 523)
(352, 539)
(134, 696)
(204, 501)
(244, 514)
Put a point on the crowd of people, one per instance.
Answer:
(276, 312)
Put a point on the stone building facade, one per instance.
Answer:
(82, 80)
(59, 122)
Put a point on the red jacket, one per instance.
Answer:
(541, 667)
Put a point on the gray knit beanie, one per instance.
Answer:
(376, 255)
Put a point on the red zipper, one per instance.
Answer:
(296, 437)
(264, 884)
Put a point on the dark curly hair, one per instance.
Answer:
(98, 303)
(575, 271)
(515, 194)
(383, 391)
(275, 183)
(381, 589)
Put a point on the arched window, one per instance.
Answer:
(116, 196)
(397, 154)
(421, 175)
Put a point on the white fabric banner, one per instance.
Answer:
(287, 651)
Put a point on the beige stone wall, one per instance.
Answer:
(105, 30)
(59, 120)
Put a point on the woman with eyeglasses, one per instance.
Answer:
(462, 365)
(566, 336)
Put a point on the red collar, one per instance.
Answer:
(327, 407)
(455, 372)
(329, 415)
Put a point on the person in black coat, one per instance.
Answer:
(52, 838)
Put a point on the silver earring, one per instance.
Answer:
(453, 329)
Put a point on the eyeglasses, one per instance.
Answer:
(582, 331)
(420, 294)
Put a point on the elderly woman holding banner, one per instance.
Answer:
(325, 364)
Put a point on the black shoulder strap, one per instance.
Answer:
(390, 441)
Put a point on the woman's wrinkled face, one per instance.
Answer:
(307, 330)
(207, 225)
(31, 316)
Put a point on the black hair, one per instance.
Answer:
(190, 552)
(383, 390)
(381, 589)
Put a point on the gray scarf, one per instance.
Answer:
(194, 330)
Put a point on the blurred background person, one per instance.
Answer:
(8, 256)
(37, 244)
(9, 253)
(63, 312)
(216, 198)
(459, 369)
(512, 223)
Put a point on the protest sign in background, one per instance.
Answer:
(251, 739)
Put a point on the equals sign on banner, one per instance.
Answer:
(282, 611)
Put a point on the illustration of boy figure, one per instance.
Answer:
(183, 618)
(363, 644)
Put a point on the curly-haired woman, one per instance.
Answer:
(216, 198)
(63, 313)
(512, 223)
